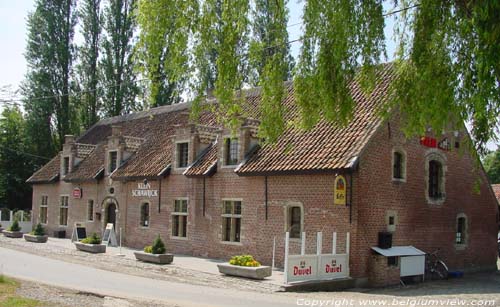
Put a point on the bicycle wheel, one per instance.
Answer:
(441, 270)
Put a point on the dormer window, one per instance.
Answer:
(182, 154)
(113, 159)
(231, 151)
(65, 169)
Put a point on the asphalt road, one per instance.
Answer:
(83, 278)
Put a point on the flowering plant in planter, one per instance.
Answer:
(245, 266)
(155, 253)
(37, 235)
(14, 230)
(93, 239)
(244, 260)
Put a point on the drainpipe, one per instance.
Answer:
(204, 195)
(159, 195)
(265, 194)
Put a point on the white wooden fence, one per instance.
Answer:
(7, 217)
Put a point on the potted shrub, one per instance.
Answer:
(155, 253)
(245, 266)
(14, 231)
(37, 236)
(91, 244)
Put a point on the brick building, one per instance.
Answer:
(213, 194)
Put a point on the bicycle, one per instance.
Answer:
(435, 268)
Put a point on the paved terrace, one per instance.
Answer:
(187, 269)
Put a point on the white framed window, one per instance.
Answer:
(231, 220)
(179, 218)
(63, 210)
(294, 216)
(112, 161)
(182, 154)
(398, 165)
(44, 209)
(144, 215)
(65, 168)
(90, 210)
(231, 151)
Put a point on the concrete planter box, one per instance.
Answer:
(12, 234)
(91, 248)
(1, 229)
(36, 239)
(154, 258)
(259, 272)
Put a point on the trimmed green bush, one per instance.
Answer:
(158, 246)
(39, 231)
(15, 226)
(93, 239)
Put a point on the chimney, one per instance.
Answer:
(69, 139)
(116, 130)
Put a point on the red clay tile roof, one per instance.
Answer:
(89, 168)
(48, 173)
(327, 146)
(206, 164)
(496, 190)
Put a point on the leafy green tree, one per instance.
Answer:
(118, 80)
(270, 36)
(15, 165)
(491, 164)
(49, 54)
(90, 19)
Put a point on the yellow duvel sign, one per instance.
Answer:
(340, 191)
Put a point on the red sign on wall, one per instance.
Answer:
(77, 193)
(428, 142)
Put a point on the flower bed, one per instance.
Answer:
(155, 253)
(245, 266)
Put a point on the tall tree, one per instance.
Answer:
(269, 36)
(90, 18)
(46, 89)
(163, 47)
(15, 165)
(492, 166)
(118, 81)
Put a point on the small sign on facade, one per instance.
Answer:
(340, 191)
(144, 190)
(428, 142)
(77, 193)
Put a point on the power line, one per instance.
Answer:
(24, 153)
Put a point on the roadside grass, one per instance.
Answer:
(8, 297)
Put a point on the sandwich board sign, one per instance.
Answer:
(109, 236)
(79, 232)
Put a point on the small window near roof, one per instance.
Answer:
(113, 157)
(182, 154)
(65, 166)
(398, 165)
(232, 151)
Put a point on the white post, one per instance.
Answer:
(11, 219)
(334, 243)
(319, 243)
(22, 216)
(303, 244)
(120, 240)
(347, 243)
(274, 251)
(287, 238)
